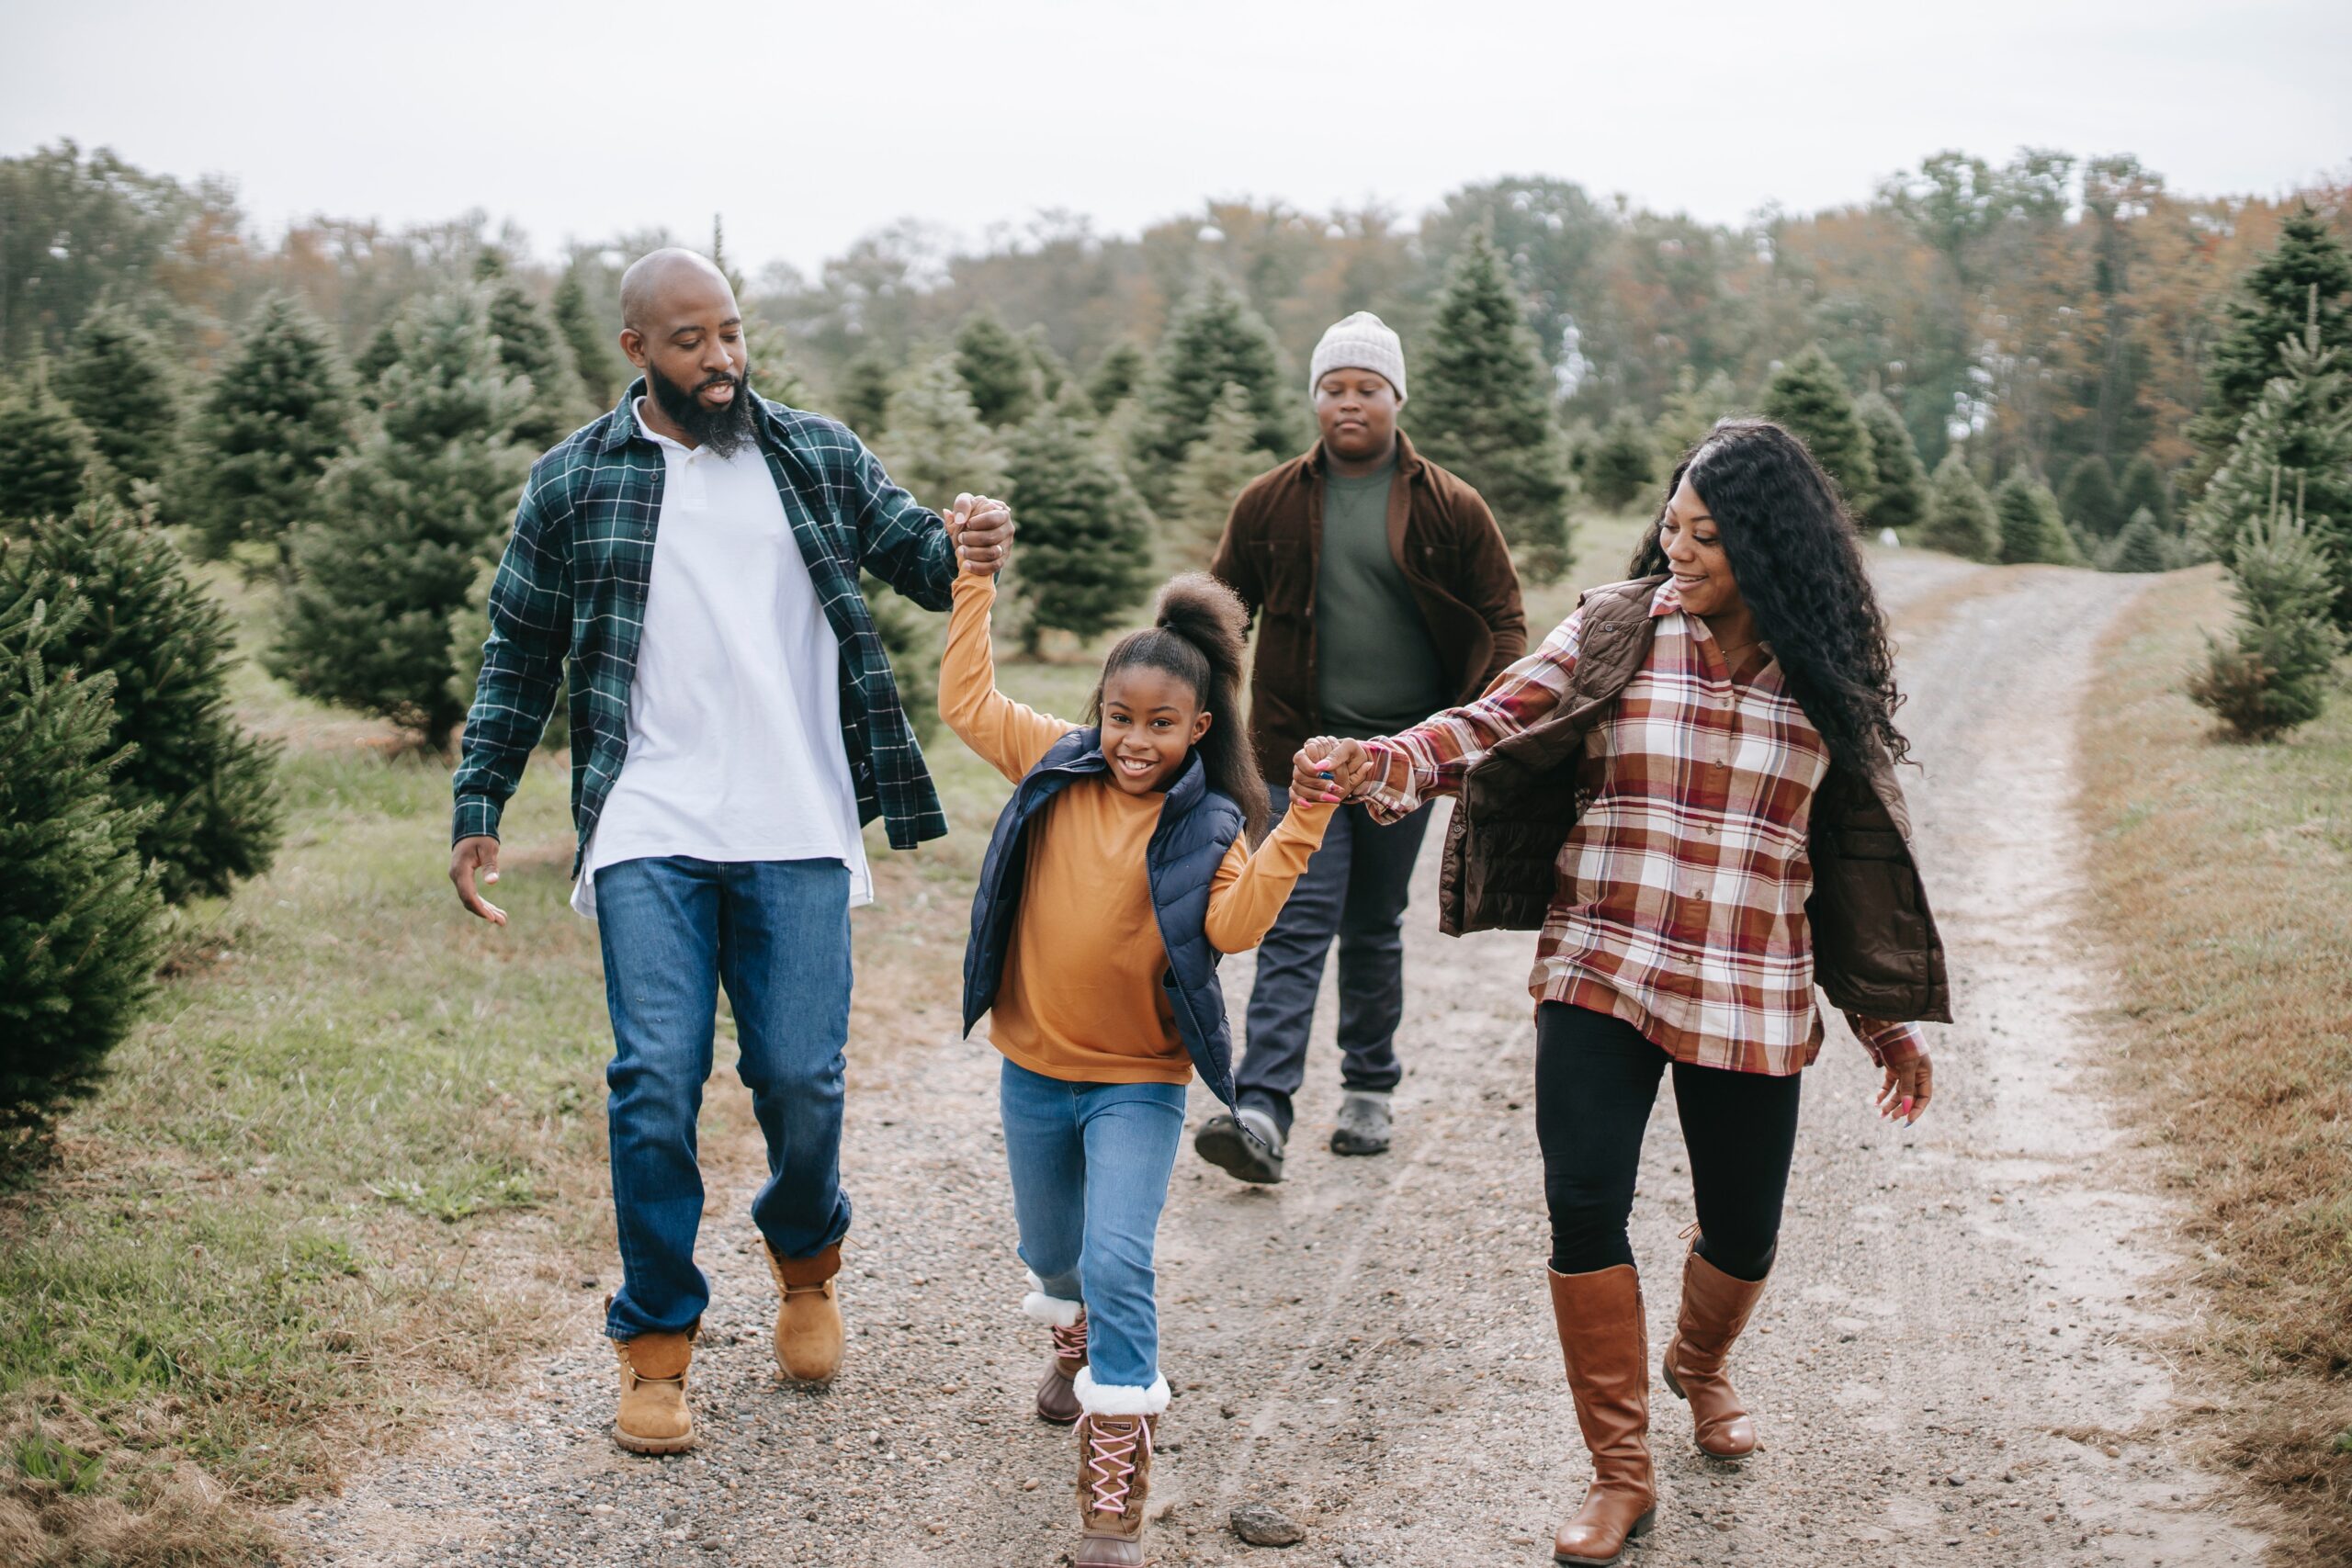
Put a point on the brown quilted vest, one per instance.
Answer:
(1875, 950)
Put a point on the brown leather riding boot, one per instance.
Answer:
(1113, 1487)
(1715, 1307)
(1606, 1348)
(809, 1319)
(653, 1418)
(1057, 1395)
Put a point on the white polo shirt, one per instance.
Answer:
(734, 715)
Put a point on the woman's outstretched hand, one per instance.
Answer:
(1327, 771)
(1908, 1088)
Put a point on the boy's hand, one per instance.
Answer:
(983, 530)
(1327, 771)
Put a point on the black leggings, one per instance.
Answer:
(1596, 1079)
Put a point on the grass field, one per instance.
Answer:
(353, 1160)
(2222, 878)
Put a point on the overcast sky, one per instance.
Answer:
(808, 125)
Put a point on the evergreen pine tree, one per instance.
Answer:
(79, 915)
(1482, 407)
(1959, 515)
(408, 519)
(2032, 530)
(997, 368)
(2277, 675)
(2145, 489)
(275, 417)
(1085, 539)
(932, 439)
(1053, 371)
(2140, 547)
(382, 352)
(2298, 436)
(45, 458)
(125, 391)
(1900, 496)
(1691, 411)
(862, 400)
(1808, 395)
(1214, 338)
(1213, 473)
(2270, 309)
(1117, 376)
(206, 789)
(529, 348)
(593, 354)
(1621, 466)
(2091, 501)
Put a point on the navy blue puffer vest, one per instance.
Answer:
(1197, 827)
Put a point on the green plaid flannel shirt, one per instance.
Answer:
(573, 581)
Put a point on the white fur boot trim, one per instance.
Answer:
(1051, 1310)
(1119, 1399)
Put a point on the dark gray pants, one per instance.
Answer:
(1355, 889)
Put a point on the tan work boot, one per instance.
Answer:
(1057, 1395)
(1715, 1307)
(809, 1319)
(1606, 1347)
(1113, 1487)
(653, 1418)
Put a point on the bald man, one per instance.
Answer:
(695, 556)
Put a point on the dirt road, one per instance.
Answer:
(1942, 1370)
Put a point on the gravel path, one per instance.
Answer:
(1942, 1369)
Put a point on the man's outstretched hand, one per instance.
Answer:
(467, 857)
(1327, 771)
(981, 527)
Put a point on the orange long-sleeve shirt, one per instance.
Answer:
(1080, 998)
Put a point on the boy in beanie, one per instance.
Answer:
(1384, 594)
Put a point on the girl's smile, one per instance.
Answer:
(1151, 721)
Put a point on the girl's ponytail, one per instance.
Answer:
(1200, 630)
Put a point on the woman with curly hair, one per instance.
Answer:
(1688, 789)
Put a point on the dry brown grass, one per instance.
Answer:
(2223, 876)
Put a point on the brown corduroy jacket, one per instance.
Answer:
(1444, 541)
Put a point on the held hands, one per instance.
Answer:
(1326, 771)
(981, 529)
(1908, 1088)
(468, 856)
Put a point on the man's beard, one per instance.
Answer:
(724, 430)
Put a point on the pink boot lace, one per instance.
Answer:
(1111, 1460)
(1069, 1344)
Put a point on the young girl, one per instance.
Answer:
(1118, 873)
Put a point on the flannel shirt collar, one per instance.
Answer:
(1665, 601)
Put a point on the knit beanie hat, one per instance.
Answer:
(1362, 341)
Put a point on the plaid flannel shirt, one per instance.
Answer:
(1682, 888)
(573, 580)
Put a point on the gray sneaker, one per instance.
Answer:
(1248, 1146)
(1364, 1123)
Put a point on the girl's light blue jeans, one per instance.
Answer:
(1090, 1164)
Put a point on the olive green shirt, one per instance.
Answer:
(1375, 669)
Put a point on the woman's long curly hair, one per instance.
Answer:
(1792, 551)
(1198, 633)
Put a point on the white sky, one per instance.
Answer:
(808, 125)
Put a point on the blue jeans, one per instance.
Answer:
(1090, 1164)
(1355, 889)
(775, 933)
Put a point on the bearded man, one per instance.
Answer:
(691, 560)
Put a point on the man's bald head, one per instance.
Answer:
(680, 324)
(655, 275)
